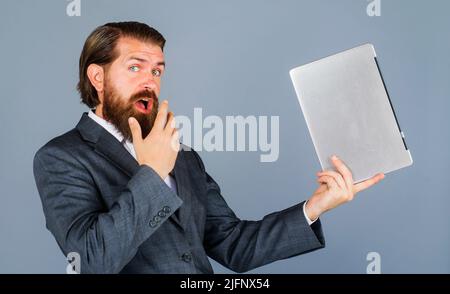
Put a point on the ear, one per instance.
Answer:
(96, 76)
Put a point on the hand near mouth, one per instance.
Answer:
(160, 148)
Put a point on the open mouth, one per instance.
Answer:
(144, 105)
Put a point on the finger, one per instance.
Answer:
(322, 187)
(337, 176)
(175, 142)
(175, 130)
(170, 123)
(344, 171)
(329, 181)
(367, 183)
(176, 134)
(161, 117)
(135, 128)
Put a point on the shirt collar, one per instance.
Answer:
(106, 125)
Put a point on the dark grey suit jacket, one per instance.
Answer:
(123, 218)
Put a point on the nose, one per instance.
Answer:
(150, 83)
(151, 86)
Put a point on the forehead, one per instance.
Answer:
(130, 47)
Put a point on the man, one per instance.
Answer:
(119, 191)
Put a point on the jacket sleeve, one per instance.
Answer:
(105, 239)
(242, 245)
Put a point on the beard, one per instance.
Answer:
(117, 110)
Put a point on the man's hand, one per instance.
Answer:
(160, 148)
(335, 189)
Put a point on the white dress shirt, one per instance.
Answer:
(169, 180)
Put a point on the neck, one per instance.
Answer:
(99, 111)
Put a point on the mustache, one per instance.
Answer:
(144, 94)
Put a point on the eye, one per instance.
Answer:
(134, 68)
(156, 72)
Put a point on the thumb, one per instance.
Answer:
(135, 130)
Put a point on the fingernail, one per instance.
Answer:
(130, 120)
(334, 157)
(166, 102)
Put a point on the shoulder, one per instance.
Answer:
(62, 147)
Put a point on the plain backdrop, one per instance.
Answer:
(233, 58)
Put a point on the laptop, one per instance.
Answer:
(349, 113)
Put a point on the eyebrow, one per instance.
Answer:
(145, 61)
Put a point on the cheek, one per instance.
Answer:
(125, 80)
(158, 88)
(157, 82)
(124, 85)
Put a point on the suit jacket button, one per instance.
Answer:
(161, 213)
(156, 219)
(152, 224)
(166, 209)
(186, 257)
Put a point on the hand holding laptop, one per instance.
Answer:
(336, 188)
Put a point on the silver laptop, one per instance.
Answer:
(349, 113)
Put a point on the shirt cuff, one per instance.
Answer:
(310, 222)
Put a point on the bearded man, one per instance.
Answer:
(122, 192)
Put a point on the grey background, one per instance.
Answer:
(233, 58)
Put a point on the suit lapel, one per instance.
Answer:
(109, 147)
(112, 149)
